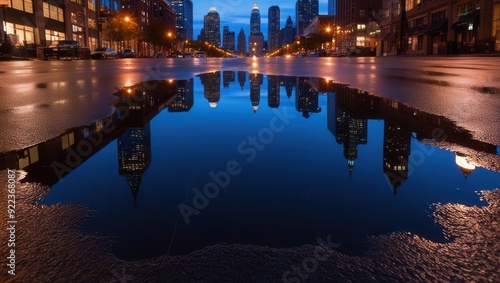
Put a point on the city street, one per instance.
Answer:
(41, 99)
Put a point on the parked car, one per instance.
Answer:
(188, 55)
(103, 53)
(127, 53)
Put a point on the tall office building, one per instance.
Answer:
(288, 32)
(184, 100)
(273, 91)
(134, 156)
(242, 43)
(350, 132)
(397, 141)
(184, 17)
(255, 81)
(211, 27)
(228, 77)
(305, 11)
(242, 79)
(273, 34)
(211, 86)
(332, 7)
(306, 98)
(228, 38)
(256, 38)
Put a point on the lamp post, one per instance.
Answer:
(127, 20)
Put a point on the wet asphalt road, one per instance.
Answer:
(41, 99)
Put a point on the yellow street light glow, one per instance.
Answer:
(127, 19)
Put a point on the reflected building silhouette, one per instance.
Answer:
(306, 98)
(273, 91)
(134, 156)
(227, 78)
(47, 162)
(242, 78)
(184, 100)
(289, 83)
(256, 80)
(397, 141)
(211, 83)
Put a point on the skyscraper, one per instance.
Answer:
(242, 43)
(273, 35)
(306, 98)
(273, 91)
(332, 7)
(288, 32)
(228, 77)
(255, 81)
(242, 78)
(305, 11)
(211, 27)
(184, 17)
(228, 39)
(134, 156)
(256, 38)
(397, 141)
(185, 96)
(211, 86)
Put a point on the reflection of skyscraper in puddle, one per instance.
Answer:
(347, 131)
(211, 84)
(134, 156)
(185, 96)
(306, 98)
(289, 83)
(227, 77)
(255, 81)
(242, 78)
(396, 153)
(273, 91)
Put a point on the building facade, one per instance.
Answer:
(228, 39)
(144, 13)
(358, 23)
(256, 38)
(440, 27)
(273, 34)
(305, 11)
(332, 7)
(211, 27)
(288, 32)
(184, 17)
(242, 43)
(29, 23)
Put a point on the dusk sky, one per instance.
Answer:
(236, 13)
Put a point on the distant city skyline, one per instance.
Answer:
(236, 14)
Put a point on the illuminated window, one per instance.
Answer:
(20, 33)
(52, 35)
(92, 5)
(67, 140)
(22, 5)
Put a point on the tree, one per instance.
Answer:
(122, 27)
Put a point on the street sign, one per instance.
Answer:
(4, 3)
